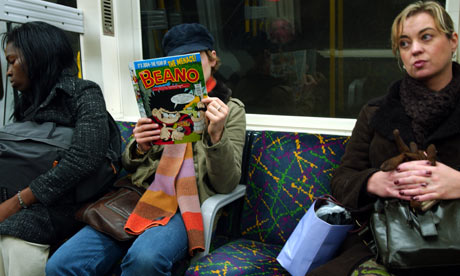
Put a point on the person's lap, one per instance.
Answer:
(20, 257)
(157, 249)
(90, 252)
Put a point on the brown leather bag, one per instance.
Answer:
(109, 214)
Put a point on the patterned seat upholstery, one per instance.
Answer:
(126, 131)
(285, 172)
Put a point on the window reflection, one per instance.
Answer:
(291, 57)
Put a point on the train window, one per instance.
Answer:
(73, 37)
(6, 94)
(68, 3)
(291, 57)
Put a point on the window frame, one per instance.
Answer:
(126, 45)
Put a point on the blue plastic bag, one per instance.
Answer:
(312, 243)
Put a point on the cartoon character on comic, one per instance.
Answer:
(173, 124)
(178, 113)
(198, 118)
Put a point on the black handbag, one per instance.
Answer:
(409, 238)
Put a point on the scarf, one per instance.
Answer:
(428, 108)
(218, 89)
(174, 187)
(210, 84)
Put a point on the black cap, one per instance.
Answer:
(187, 38)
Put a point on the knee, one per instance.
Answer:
(146, 263)
(55, 266)
(61, 263)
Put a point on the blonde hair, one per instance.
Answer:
(211, 58)
(440, 16)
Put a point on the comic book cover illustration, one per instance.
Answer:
(169, 91)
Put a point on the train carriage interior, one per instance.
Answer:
(302, 68)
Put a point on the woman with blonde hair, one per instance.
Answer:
(425, 107)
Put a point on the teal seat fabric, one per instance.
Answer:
(285, 172)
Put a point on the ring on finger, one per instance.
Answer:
(428, 182)
(218, 107)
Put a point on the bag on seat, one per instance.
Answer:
(312, 243)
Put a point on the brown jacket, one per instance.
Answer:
(372, 143)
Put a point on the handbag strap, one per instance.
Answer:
(427, 224)
(426, 221)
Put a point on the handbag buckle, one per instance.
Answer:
(366, 236)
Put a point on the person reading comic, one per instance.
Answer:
(215, 163)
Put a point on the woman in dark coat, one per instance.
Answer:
(425, 107)
(40, 62)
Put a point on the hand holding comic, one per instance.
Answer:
(145, 132)
(216, 115)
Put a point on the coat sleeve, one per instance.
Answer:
(90, 143)
(141, 167)
(349, 182)
(223, 159)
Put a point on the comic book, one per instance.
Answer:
(169, 91)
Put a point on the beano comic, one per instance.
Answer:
(169, 91)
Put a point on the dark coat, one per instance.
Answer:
(372, 143)
(74, 103)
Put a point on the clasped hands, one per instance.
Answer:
(416, 176)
